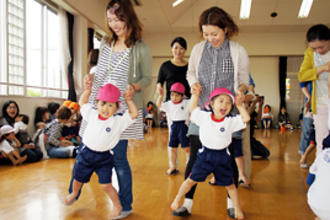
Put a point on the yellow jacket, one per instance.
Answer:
(307, 72)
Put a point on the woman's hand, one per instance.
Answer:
(88, 81)
(129, 93)
(240, 98)
(196, 89)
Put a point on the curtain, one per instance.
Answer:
(90, 39)
(64, 52)
(72, 92)
(282, 79)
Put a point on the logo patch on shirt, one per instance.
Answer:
(222, 129)
(182, 108)
(108, 129)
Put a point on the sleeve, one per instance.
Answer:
(307, 70)
(145, 65)
(192, 76)
(243, 67)
(313, 167)
(198, 116)
(54, 134)
(125, 121)
(161, 74)
(164, 107)
(86, 110)
(237, 123)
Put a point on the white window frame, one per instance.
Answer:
(4, 56)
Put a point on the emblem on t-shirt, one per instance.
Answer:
(222, 129)
(108, 129)
(182, 107)
(326, 158)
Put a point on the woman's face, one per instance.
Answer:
(116, 25)
(11, 110)
(178, 51)
(213, 34)
(320, 46)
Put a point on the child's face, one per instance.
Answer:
(176, 97)
(221, 105)
(106, 109)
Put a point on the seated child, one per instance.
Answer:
(56, 146)
(8, 151)
(283, 119)
(266, 117)
(101, 135)
(319, 180)
(215, 130)
(177, 111)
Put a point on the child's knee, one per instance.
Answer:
(231, 187)
(107, 187)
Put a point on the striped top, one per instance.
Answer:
(117, 74)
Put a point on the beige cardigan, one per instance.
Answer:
(240, 60)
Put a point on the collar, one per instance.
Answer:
(102, 118)
(177, 102)
(217, 120)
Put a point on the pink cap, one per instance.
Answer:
(108, 93)
(178, 87)
(219, 91)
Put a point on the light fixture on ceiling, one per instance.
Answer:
(176, 3)
(305, 8)
(245, 9)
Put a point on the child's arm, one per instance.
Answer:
(239, 104)
(194, 99)
(84, 97)
(160, 99)
(128, 94)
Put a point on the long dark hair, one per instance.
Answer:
(124, 10)
(5, 115)
(218, 17)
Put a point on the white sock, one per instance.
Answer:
(229, 203)
(188, 203)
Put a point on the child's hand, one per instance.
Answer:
(239, 99)
(88, 81)
(129, 93)
(196, 89)
(66, 143)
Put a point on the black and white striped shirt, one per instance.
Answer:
(116, 74)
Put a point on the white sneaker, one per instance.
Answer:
(123, 214)
(304, 165)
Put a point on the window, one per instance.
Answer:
(32, 50)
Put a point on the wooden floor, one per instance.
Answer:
(34, 191)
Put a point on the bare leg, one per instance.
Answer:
(307, 151)
(232, 191)
(20, 159)
(13, 159)
(187, 150)
(112, 193)
(184, 188)
(69, 199)
(240, 165)
(172, 159)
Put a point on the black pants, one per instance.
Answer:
(195, 144)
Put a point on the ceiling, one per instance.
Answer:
(159, 16)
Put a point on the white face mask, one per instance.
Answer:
(68, 124)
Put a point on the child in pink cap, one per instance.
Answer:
(101, 135)
(215, 130)
(177, 112)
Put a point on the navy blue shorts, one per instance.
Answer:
(179, 134)
(210, 161)
(236, 148)
(88, 161)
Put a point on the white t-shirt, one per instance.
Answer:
(176, 112)
(216, 135)
(6, 147)
(103, 135)
(321, 84)
(319, 193)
